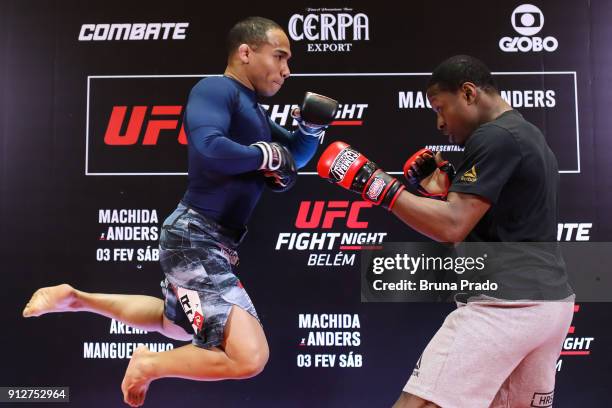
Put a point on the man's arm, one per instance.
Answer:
(314, 116)
(302, 146)
(444, 221)
(475, 188)
(491, 156)
(208, 117)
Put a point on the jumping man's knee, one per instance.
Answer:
(253, 365)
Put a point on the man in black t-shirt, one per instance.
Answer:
(492, 351)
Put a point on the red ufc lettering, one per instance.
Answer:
(330, 216)
(353, 217)
(113, 134)
(335, 210)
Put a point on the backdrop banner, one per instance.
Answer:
(93, 158)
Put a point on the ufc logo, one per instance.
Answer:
(138, 116)
(335, 210)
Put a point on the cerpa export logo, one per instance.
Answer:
(329, 29)
(528, 20)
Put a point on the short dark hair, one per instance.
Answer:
(252, 31)
(451, 74)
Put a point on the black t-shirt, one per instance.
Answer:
(508, 162)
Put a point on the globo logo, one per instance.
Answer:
(527, 21)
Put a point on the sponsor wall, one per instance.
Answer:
(94, 158)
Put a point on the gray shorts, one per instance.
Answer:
(200, 288)
(494, 353)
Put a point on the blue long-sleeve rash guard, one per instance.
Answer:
(222, 119)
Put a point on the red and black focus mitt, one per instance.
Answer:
(343, 165)
(429, 174)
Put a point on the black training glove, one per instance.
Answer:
(278, 166)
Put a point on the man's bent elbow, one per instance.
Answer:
(455, 233)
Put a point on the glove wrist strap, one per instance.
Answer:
(271, 156)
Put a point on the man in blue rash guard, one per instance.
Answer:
(232, 146)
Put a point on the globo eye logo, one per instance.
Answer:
(527, 19)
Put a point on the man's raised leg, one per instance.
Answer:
(138, 311)
(244, 354)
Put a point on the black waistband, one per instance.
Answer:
(228, 236)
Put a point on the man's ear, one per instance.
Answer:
(244, 53)
(470, 92)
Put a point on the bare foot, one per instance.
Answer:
(60, 298)
(137, 377)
